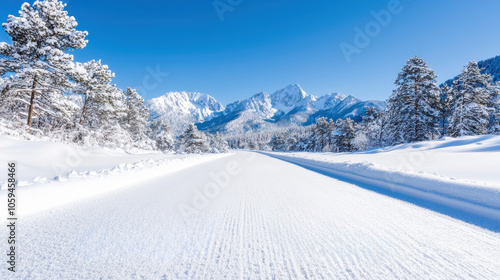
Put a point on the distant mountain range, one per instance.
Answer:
(290, 106)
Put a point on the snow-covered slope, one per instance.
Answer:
(460, 173)
(329, 100)
(469, 158)
(182, 108)
(52, 174)
(55, 160)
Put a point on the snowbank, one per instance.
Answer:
(54, 174)
(472, 162)
(41, 161)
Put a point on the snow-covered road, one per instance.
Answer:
(250, 216)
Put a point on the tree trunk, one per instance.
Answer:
(32, 101)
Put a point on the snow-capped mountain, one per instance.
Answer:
(243, 115)
(182, 108)
(286, 107)
(286, 99)
(290, 106)
(329, 101)
(349, 107)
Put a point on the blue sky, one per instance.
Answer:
(266, 45)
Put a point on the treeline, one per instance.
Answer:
(44, 93)
(418, 110)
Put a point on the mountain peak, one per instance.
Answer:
(182, 108)
(287, 98)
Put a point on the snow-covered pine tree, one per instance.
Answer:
(291, 143)
(137, 115)
(413, 107)
(445, 104)
(322, 134)
(218, 144)
(368, 130)
(161, 133)
(278, 142)
(494, 126)
(253, 146)
(41, 37)
(344, 135)
(94, 84)
(192, 141)
(471, 92)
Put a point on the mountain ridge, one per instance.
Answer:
(289, 106)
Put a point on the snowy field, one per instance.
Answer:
(241, 215)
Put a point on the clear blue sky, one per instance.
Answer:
(266, 45)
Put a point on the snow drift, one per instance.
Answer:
(480, 197)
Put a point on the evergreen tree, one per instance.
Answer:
(161, 133)
(344, 135)
(495, 107)
(192, 141)
(253, 146)
(471, 92)
(218, 144)
(137, 115)
(445, 103)
(100, 98)
(413, 106)
(278, 143)
(41, 37)
(322, 134)
(291, 143)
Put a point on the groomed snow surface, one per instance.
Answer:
(244, 215)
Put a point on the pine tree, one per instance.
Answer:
(471, 92)
(137, 115)
(192, 141)
(445, 104)
(253, 146)
(322, 134)
(291, 143)
(162, 134)
(99, 95)
(218, 144)
(278, 142)
(344, 135)
(41, 37)
(495, 107)
(413, 106)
